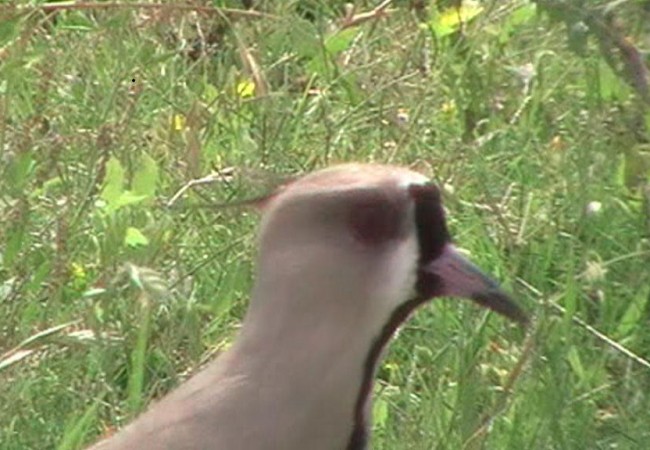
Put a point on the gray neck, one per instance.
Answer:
(315, 373)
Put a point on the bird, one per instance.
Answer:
(346, 255)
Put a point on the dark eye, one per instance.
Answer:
(429, 221)
(375, 219)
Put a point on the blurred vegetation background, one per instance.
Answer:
(123, 125)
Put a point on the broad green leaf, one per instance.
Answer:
(575, 362)
(619, 175)
(612, 86)
(135, 238)
(6, 288)
(135, 386)
(379, 412)
(210, 94)
(517, 18)
(78, 427)
(39, 275)
(13, 244)
(128, 198)
(334, 44)
(340, 41)
(451, 19)
(47, 185)
(634, 314)
(522, 15)
(570, 297)
(305, 38)
(19, 171)
(9, 30)
(322, 60)
(634, 169)
(113, 184)
(76, 21)
(319, 65)
(145, 178)
(247, 145)
(350, 83)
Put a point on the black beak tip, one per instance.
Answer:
(501, 303)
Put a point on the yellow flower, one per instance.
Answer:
(77, 271)
(245, 88)
(179, 121)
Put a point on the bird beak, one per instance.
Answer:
(456, 276)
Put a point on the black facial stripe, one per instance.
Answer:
(429, 221)
(432, 236)
(359, 436)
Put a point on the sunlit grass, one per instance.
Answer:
(109, 297)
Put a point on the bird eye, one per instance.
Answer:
(430, 221)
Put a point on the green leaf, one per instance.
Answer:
(51, 184)
(46, 187)
(135, 386)
(321, 58)
(145, 178)
(575, 362)
(13, 245)
(9, 30)
(522, 15)
(451, 19)
(517, 18)
(619, 175)
(611, 85)
(39, 273)
(19, 171)
(135, 238)
(635, 170)
(340, 41)
(319, 66)
(304, 38)
(379, 412)
(129, 198)
(634, 314)
(113, 184)
(210, 93)
(77, 429)
(351, 84)
(76, 21)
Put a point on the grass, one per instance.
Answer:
(109, 298)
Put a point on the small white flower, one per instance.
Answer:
(593, 208)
